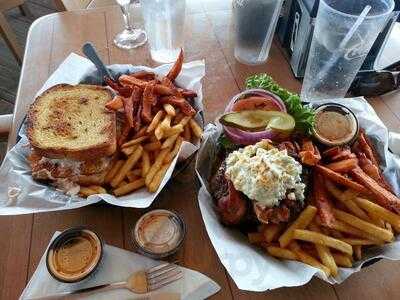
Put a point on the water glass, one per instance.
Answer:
(341, 41)
(164, 23)
(130, 37)
(255, 22)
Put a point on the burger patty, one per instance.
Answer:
(284, 212)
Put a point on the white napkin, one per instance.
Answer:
(117, 265)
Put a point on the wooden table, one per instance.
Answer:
(208, 35)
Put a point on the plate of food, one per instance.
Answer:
(87, 138)
(295, 190)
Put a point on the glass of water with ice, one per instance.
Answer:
(130, 37)
(164, 23)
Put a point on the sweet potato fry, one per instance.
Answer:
(176, 68)
(373, 171)
(116, 103)
(124, 133)
(309, 154)
(322, 201)
(188, 93)
(366, 147)
(136, 99)
(127, 80)
(163, 90)
(332, 151)
(181, 103)
(342, 180)
(382, 196)
(128, 108)
(343, 166)
(148, 101)
(124, 91)
(143, 75)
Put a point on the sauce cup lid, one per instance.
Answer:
(74, 254)
(159, 233)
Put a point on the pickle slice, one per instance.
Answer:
(259, 120)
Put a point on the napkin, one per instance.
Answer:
(117, 265)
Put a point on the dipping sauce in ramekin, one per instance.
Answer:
(159, 233)
(74, 254)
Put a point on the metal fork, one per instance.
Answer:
(140, 282)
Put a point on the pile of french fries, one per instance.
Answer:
(158, 117)
(351, 208)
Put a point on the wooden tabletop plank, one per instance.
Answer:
(14, 254)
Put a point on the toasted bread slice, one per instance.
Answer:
(72, 122)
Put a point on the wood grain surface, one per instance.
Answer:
(208, 36)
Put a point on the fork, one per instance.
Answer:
(140, 282)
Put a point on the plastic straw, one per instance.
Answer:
(346, 39)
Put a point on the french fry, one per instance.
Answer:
(340, 179)
(156, 120)
(347, 199)
(179, 116)
(325, 254)
(357, 242)
(185, 120)
(281, 253)
(171, 155)
(379, 211)
(169, 109)
(255, 237)
(128, 165)
(166, 123)
(134, 141)
(169, 141)
(134, 174)
(271, 232)
(308, 259)
(357, 250)
(122, 183)
(187, 135)
(173, 130)
(158, 132)
(145, 163)
(321, 239)
(198, 132)
(98, 189)
(302, 221)
(141, 132)
(376, 220)
(129, 187)
(158, 177)
(86, 192)
(343, 166)
(152, 146)
(373, 230)
(129, 150)
(348, 229)
(114, 169)
(342, 260)
(156, 166)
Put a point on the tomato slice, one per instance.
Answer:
(254, 103)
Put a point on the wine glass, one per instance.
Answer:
(130, 37)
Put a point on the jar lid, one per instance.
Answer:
(74, 254)
(159, 233)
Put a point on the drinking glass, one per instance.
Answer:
(164, 22)
(255, 22)
(130, 37)
(344, 33)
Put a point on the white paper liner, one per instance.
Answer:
(35, 197)
(249, 266)
(117, 265)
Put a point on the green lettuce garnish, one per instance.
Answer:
(303, 114)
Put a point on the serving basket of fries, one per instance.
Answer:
(171, 135)
(362, 231)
